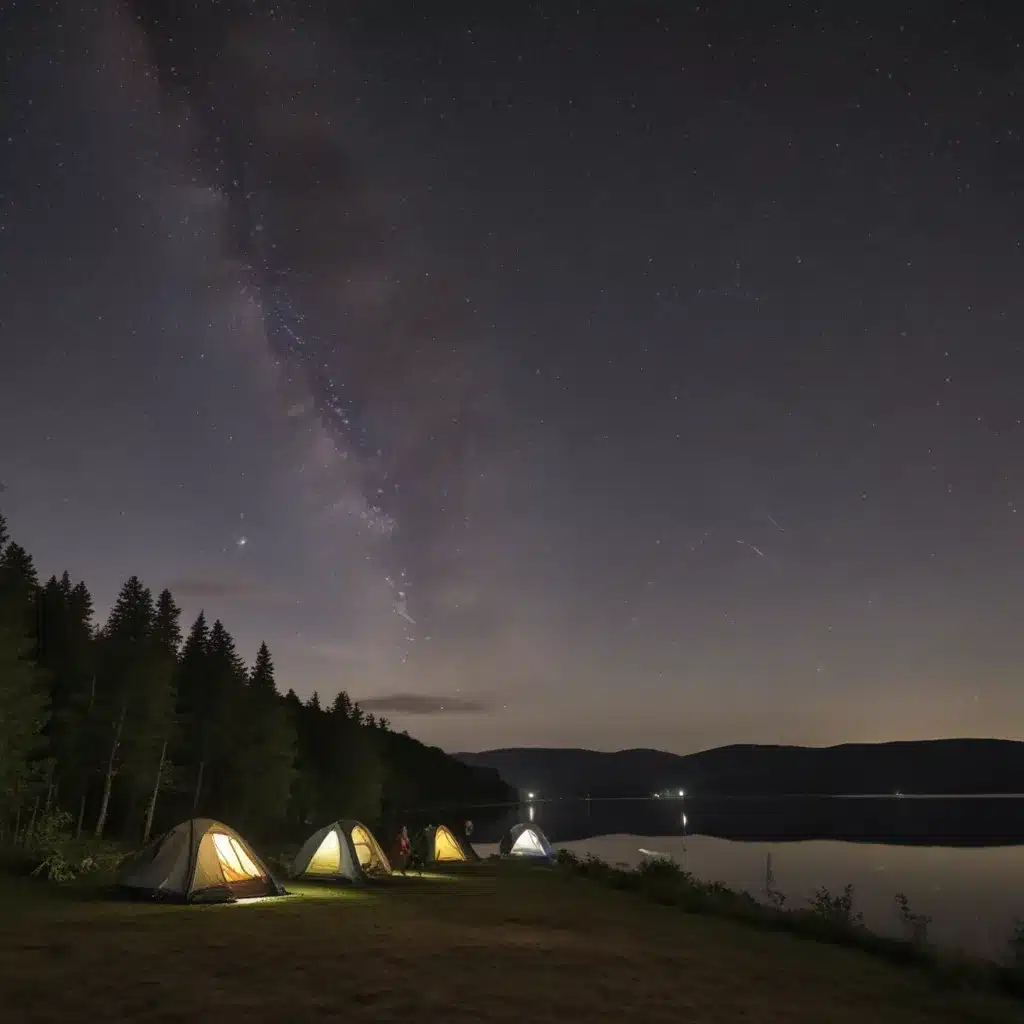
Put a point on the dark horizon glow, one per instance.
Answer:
(542, 379)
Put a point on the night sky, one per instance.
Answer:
(540, 375)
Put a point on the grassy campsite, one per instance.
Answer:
(125, 732)
(491, 941)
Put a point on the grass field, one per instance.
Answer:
(491, 943)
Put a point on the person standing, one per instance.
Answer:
(404, 847)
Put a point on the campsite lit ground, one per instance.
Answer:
(491, 943)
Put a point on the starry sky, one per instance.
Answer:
(542, 374)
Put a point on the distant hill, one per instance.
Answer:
(920, 766)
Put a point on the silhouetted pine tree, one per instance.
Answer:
(156, 729)
(224, 710)
(342, 705)
(19, 593)
(302, 803)
(269, 745)
(324, 756)
(363, 777)
(81, 750)
(341, 757)
(23, 697)
(124, 679)
(66, 653)
(194, 744)
(22, 717)
(317, 761)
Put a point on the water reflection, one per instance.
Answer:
(945, 821)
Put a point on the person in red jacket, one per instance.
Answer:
(403, 849)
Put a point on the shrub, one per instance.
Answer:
(914, 925)
(54, 867)
(591, 867)
(100, 857)
(837, 910)
(48, 842)
(663, 867)
(58, 857)
(566, 859)
(619, 878)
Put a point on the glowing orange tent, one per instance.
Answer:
(438, 845)
(199, 861)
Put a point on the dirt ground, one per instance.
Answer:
(488, 944)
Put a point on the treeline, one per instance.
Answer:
(132, 726)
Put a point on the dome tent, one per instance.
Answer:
(526, 840)
(341, 851)
(198, 861)
(437, 844)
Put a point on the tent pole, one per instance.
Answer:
(192, 854)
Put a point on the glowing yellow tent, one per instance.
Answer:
(199, 861)
(341, 851)
(438, 845)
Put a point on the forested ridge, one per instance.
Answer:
(134, 725)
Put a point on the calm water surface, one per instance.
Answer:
(960, 861)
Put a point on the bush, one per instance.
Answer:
(914, 925)
(837, 910)
(619, 878)
(663, 867)
(48, 842)
(566, 859)
(99, 857)
(58, 857)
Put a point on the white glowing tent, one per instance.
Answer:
(199, 861)
(341, 851)
(526, 840)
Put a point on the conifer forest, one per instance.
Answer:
(133, 724)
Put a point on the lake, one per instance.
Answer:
(960, 860)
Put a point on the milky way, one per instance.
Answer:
(661, 366)
(381, 364)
